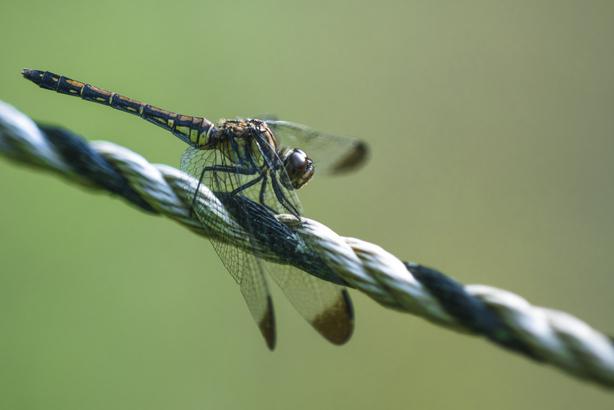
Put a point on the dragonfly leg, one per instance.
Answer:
(229, 169)
(247, 184)
(282, 198)
(262, 193)
(220, 168)
(264, 176)
(262, 190)
(261, 143)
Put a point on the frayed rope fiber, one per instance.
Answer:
(506, 319)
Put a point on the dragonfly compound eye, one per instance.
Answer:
(299, 169)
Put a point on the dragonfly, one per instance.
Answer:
(252, 164)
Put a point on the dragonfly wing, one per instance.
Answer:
(326, 306)
(331, 154)
(245, 268)
(249, 274)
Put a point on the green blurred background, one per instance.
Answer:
(491, 126)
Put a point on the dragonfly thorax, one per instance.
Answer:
(248, 142)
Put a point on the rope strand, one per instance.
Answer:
(542, 334)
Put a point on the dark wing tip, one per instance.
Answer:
(267, 325)
(353, 159)
(336, 324)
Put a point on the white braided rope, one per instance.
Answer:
(557, 337)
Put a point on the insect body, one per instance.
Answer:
(249, 146)
(249, 160)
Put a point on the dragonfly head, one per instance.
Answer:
(299, 168)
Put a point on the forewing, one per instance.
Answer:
(331, 154)
(245, 268)
(326, 306)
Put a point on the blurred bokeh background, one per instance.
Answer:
(491, 126)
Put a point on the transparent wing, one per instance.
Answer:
(326, 306)
(331, 154)
(248, 271)
(245, 268)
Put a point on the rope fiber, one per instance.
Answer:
(506, 319)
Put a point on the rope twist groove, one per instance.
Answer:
(542, 334)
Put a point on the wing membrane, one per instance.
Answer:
(327, 307)
(332, 154)
(245, 268)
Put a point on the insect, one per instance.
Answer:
(251, 162)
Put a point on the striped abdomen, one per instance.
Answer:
(196, 131)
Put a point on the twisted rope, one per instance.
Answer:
(541, 334)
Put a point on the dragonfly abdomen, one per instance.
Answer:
(196, 131)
